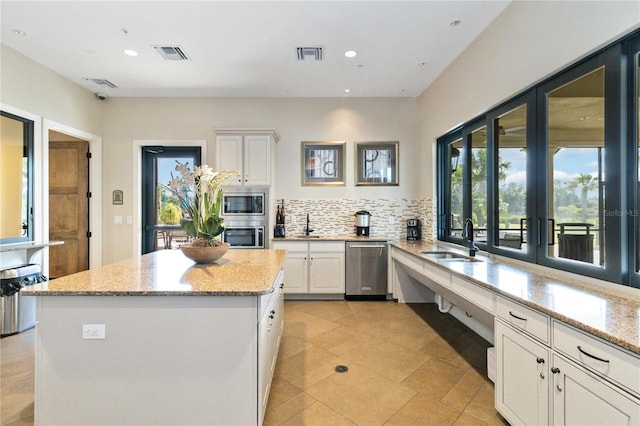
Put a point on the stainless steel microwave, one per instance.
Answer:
(244, 236)
(243, 204)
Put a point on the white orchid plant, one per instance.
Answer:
(200, 196)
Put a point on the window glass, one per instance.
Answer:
(456, 161)
(575, 134)
(479, 183)
(512, 178)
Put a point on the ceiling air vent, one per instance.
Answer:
(310, 53)
(102, 82)
(172, 53)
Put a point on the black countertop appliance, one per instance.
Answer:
(362, 223)
(414, 231)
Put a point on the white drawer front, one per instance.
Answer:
(523, 318)
(410, 261)
(329, 246)
(473, 293)
(289, 245)
(607, 360)
(438, 275)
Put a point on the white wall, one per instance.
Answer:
(30, 90)
(529, 41)
(297, 120)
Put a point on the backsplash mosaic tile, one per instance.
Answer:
(337, 216)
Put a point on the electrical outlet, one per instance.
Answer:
(293, 220)
(93, 331)
(392, 220)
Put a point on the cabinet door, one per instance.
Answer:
(229, 156)
(579, 398)
(326, 272)
(295, 267)
(257, 160)
(522, 384)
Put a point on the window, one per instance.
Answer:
(543, 176)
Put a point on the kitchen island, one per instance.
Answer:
(159, 340)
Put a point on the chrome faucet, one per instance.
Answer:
(467, 232)
(307, 231)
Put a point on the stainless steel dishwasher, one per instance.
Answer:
(366, 276)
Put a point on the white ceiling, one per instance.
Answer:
(247, 49)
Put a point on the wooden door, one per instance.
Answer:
(68, 207)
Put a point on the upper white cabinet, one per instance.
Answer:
(249, 151)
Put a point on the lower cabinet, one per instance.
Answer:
(577, 380)
(582, 398)
(270, 328)
(314, 267)
(522, 377)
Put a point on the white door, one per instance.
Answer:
(229, 156)
(295, 266)
(257, 160)
(579, 398)
(522, 382)
(326, 273)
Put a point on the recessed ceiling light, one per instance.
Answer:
(401, 91)
(90, 52)
(130, 52)
(350, 53)
(19, 33)
(347, 90)
(422, 64)
(455, 23)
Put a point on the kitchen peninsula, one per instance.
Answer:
(160, 340)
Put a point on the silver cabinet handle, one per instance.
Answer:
(591, 356)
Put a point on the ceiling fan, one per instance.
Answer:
(512, 131)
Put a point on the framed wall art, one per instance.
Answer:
(323, 163)
(377, 163)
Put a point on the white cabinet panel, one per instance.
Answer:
(580, 398)
(473, 293)
(610, 362)
(522, 383)
(523, 318)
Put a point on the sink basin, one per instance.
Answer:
(304, 237)
(447, 256)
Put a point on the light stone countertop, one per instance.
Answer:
(320, 237)
(609, 314)
(241, 272)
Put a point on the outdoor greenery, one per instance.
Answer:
(575, 200)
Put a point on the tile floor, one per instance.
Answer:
(408, 365)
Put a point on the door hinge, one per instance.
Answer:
(89, 194)
(88, 155)
(88, 234)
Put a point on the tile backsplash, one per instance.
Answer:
(337, 216)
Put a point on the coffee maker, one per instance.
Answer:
(413, 230)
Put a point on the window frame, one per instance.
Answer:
(621, 242)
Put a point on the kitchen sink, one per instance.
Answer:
(447, 256)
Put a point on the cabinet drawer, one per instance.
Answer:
(438, 275)
(289, 245)
(330, 246)
(608, 361)
(410, 261)
(523, 318)
(473, 293)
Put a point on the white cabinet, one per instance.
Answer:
(314, 267)
(578, 380)
(271, 327)
(582, 398)
(251, 152)
(522, 377)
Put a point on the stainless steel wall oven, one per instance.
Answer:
(244, 234)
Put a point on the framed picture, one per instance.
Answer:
(323, 163)
(377, 163)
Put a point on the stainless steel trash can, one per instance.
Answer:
(17, 313)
